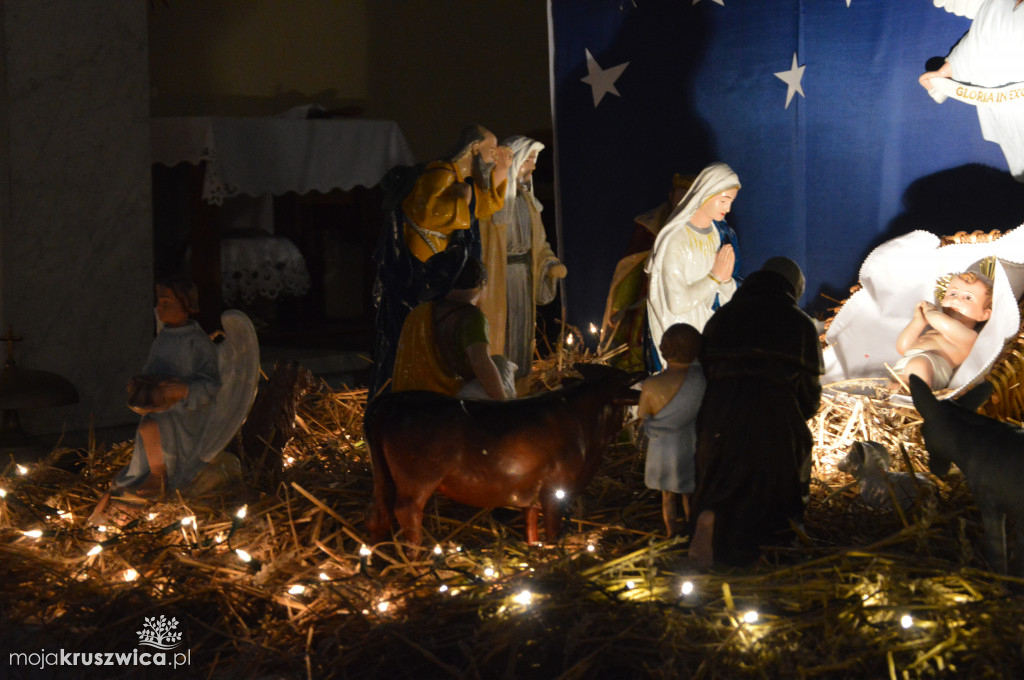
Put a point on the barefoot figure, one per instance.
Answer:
(669, 402)
(939, 337)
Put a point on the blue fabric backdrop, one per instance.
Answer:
(865, 156)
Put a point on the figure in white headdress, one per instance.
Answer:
(523, 269)
(689, 267)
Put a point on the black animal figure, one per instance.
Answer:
(989, 452)
(868, 463)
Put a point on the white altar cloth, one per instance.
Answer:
(257, 156)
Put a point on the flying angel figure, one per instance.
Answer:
(986, 69)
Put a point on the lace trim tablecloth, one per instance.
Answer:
(257, 156)
(262, 266)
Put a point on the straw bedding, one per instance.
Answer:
(606, 601)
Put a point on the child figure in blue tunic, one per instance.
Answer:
(669, 402)
(173, 394)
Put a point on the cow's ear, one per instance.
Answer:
(975, 397)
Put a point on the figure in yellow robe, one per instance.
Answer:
(443, 200)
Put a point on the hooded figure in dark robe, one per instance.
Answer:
(762, 360)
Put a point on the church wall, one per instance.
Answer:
(431, 65)
(439, 66)
(259, 57)
(75, 224)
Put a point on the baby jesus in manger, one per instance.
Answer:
(940, 336)
(951, 344)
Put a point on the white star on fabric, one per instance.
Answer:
(602, 81)
(722, 2)
(792, 79)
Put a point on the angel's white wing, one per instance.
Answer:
(963, 8)
(238, 358)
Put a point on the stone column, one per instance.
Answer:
(76, 248)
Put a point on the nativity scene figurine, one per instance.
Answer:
(523, 269)
(193, 396)
(691, 267)
(986, 68)
(431, 226)
(940, 336)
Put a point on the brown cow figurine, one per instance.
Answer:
(490, 454)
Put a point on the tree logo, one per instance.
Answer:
(160, 633)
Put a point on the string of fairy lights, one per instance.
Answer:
(688, 591)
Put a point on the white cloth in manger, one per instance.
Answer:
(895, 277)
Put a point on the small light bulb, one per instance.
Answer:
(95, 550)
(324, 577)
(687, 587)
(34, 533)
(297, 589)
(630, 585)
(438, 550)
(187, 521)
(523, 597)
(489, 572)
(22, 470)
(242, 511)
(219, 538)
(102, 529)
(364, 551)
(591, 547)
(907, 621)
(593, 329)
(130, 575)
(383, 607)
(442, 589)
(3, 492)
(242, 555)
(559, 494)
(568, 340)
(750, 617)
(151, 516)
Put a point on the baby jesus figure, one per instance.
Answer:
(939, 337)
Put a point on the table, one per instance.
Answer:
(257, 156)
